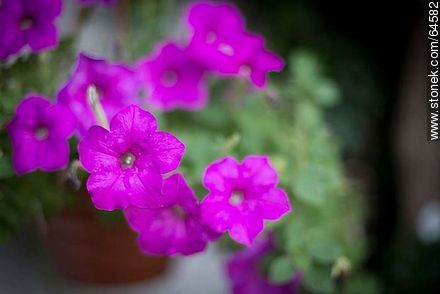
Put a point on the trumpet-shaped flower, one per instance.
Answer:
(116, 84)
(218, 36)
(174, 79)
(39, 133)
(174, 228)
(245, 269)
(241, 196)
(259, 63)
(28, 22)
(127, 162)
(220, 40)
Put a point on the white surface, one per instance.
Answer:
(24, 268)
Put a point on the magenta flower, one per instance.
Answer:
(220, 40)
(28, 22)
(245, 269)
(174, 228)
(218, 36)
(174, 79)
(241, 196)
(39, 133)
(116, 84)
(127, 162)
(259, 63)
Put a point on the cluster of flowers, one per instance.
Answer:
(129, 160)
(219, 44)
(30, 24)
(174, 76)
(127, 164)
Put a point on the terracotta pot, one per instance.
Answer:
(86, 249)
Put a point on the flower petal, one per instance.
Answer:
(42, 36)
(53, 117)
(217, 213)
(134, 123)
(273, 204)
(111, 190)
(24, 151)
(53, 154)
(246, 231)
(259, 171)
(163, 152)
(176, 190)
(96, 152)
(219, 175)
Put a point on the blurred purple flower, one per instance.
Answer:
(117, 87)
(28, 22)
(218, 36)
(220, 40)
(39, 133)
(174, 228)
(241, 196)
(246, 272)
(174, 79)
(259, 63)
(127, 162)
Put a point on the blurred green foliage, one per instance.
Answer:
(323, 237)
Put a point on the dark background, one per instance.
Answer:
(365, 46)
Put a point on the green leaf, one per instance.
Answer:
(326, 93)
(281, 270)
(5, 168)
(313, 183)
(305, 67)
(310, 186)
(318, 280)
(362, 284)
(326, 251)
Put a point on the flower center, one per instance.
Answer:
(237, 198)
(41, 133)
(245, 70)
(179, 212)
(169, 78)
(226, 49)
(211, 37)
(26, 23)
(127, 160)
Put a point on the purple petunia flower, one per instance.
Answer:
(246, 273)
(174, 228)
(241, 196)
(127, 162)
(259, 63)
(116, 84)
(174, 79)
(218, 35)
(220, 40)
(28, 22)
(39, 133)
